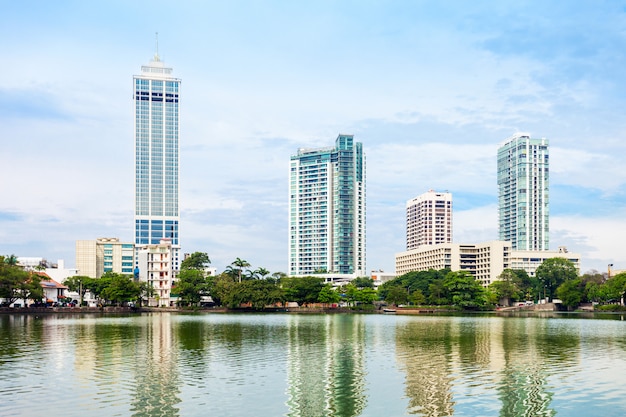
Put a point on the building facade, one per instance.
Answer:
(327, 210)
(156, 95)
(484, 261)
(523, 186)
(155, 267)
(96, 257)
(429, 219)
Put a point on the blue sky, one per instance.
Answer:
(430, 88)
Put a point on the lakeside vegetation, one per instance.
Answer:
(239, 286)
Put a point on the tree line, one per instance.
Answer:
(240, 285)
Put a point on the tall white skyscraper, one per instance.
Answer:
(429, 219)
(327, 209)
(523, 187)
(156, 156)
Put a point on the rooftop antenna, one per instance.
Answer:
(156, 55)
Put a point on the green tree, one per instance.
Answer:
(614, 288)
(197, 260)
(12, 278)
(571, 292)
(118, 288)
(506, 289)
(303, 290)
(396, 296)
(464, 290)
(30, 288)
(79, 284)
(417, 297)
(328, 295)
(240, 264)
(366, 295)
(438, 293)
(554, 272)
(363, 282)
(192, 285)
(262, 272)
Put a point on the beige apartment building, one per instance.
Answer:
(95, 257)
(485, 261)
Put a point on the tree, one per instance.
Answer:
(506, 289)
(12, 278)
(192, 285)
(417, 297)
(119, 288)
(197, 260)
(363, 282)
(240, 264)
(328, 295)
(571, 292)
(262, 272)
(554, 272)
(465, 291)
(79, 284)
(303, 290)
(31, 288)
(396, 296)
(614, 289)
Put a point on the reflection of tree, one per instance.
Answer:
(325, 366)
(424, 347)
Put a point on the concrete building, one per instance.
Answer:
(155, 267)
(429, 219)
(523, 188)
(156, 96)
(327, 210)
(95, 257)
(485, 261)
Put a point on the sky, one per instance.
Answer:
(431, 89)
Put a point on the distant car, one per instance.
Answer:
(131, 304)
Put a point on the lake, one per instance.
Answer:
(307, 365)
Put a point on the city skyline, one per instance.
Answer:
(430, 90)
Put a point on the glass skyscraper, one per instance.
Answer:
(523, 173)
(156, 154)
(327, 209)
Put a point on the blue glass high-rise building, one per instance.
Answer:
(327, 210)
(523, 192)
(156, 154)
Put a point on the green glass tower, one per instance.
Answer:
(523, 174)
(327, 209)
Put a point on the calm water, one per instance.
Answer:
(311, 365)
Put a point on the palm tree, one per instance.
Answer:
(262, 272)
(11, 259)
(240, 264)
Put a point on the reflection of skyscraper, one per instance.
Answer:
(156, 156)
(326, 377)
(327, 209)
(523, 192)
(424, 349)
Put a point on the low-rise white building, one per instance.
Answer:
(485, 261)
(155, 266)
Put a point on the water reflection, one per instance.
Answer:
(311, 365)
(467, 365)
(325, 367)
(157, 382)
(424, 349)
